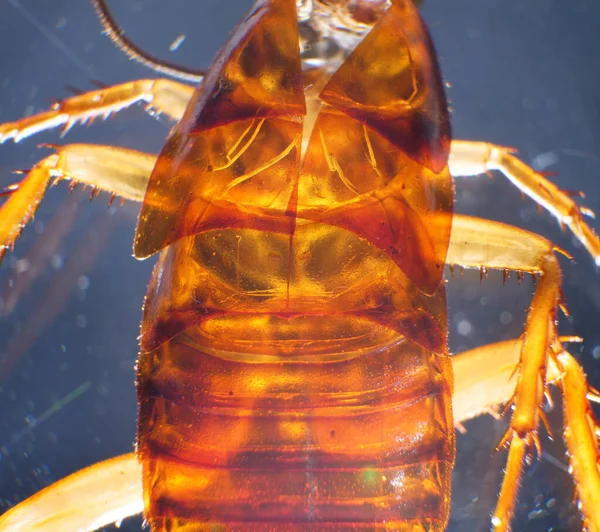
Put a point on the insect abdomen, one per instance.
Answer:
(302, 415)
(251, 452)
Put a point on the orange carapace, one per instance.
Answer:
(294, 372)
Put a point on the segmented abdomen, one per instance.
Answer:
(306, 419)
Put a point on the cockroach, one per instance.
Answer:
(294, 371)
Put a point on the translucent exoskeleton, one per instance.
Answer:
(277, 139)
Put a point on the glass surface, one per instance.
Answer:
(522, 75)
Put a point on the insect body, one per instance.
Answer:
(294, 371)
(294, 329)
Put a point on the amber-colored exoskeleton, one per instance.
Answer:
(294, 371)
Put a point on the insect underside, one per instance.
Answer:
(294, 372)
(294, 331)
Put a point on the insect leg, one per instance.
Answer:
(482, 243)
(581, 435)
(161, 96)
(482, 379)
(90, 499)
(120, 171)
(472, 158)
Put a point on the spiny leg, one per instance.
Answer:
(482, 381)
(161, 96)
(482, 243)
(121, 172)
(482, 378)
(469, 158)
(582, 430)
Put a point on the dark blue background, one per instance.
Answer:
(523, 73)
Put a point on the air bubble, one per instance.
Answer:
(56, 261)
(22, 265)
(464, 328)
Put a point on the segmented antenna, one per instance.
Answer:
(133, 51)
